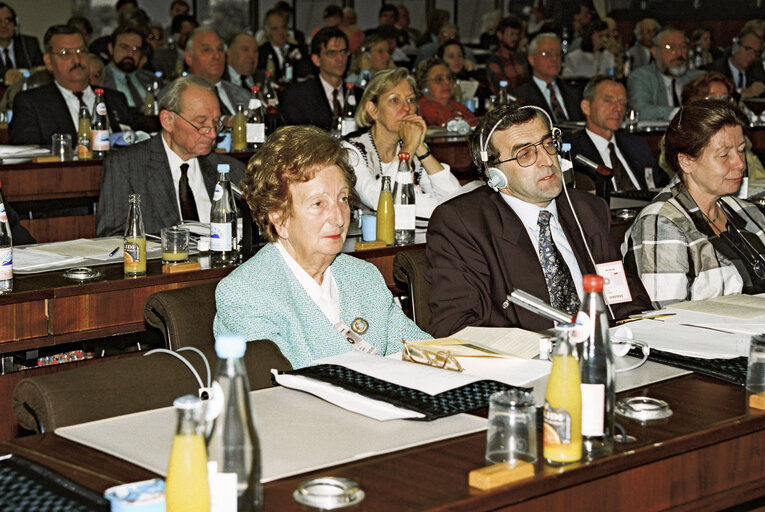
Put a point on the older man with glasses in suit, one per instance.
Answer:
(175, 171)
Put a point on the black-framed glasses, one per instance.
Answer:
(202, 130)
(334, 53)
(527, 155)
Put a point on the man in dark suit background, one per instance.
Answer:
(242, 61)
(122, 73)
(54, 108)
(484, 243)
(175, 171)
(319, 100)
(742, 64)
(278, 49)
(17, 51)
(604, 105)
(545, 90)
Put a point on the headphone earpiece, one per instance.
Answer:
(497, 179)
(735, 46)
(425, 91)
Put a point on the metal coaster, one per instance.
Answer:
(328, 493)
(643, 409)
(81, 274)
(625, 214)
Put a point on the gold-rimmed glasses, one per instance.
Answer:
(527, 155)
(438, 359)
(202, 130)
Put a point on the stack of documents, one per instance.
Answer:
(19, 154)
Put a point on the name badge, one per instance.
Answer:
(358, 343)
(615, 287)
(649, 181)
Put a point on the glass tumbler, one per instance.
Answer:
(512, 429)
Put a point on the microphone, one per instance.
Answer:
(536, 305)
(598, 168)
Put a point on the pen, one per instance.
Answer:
(646, 317)
(114, 251)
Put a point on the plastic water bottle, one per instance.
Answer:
(596, 364)
(233, 444)
(223, 220)
(6, 250)
(404, 201)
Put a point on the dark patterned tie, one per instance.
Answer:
(559, 114)
(561, 286)
(8, 60)
(623, 181)
(740, 80)
(675, 99)
(186, 196)
(335, 103)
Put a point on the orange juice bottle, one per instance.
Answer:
(134, 240)
(386, 217)
(187, 488)
(562, 427)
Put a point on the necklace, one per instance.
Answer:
(712, 221)
(377, 153)
(749, 253)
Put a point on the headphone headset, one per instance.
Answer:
(736, 45)
(496, 178)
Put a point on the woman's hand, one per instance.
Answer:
(412, 132)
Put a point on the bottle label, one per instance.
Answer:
(6, 263)
(3, 213)
(256, 133)
(593, 409)
(220, 236)
(100, 140)
(218, 193)
(83, 150)
(288, 73)
(405, 216)
(349, 125)
(405, 178)
(582, 328)
(132, 254)
(101, 109)
(557, 426)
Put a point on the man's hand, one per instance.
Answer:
(753, 91)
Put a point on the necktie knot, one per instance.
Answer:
(544, 218)
(184, 169)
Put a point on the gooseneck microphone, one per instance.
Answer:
(603, 175)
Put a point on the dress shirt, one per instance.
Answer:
(236, 78)
(737, 75)
(328, 92)
(546, 93)
(73, 104)
(324, 295)
(601, 144)
(120, 80)
(279, 56)
(10, 55)
(529, 215)
(668, 90)
(196, 182)
(225, 99)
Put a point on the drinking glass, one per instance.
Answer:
(512, 429)
(175, 245)
(631, 119)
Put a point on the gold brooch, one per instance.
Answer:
(359, 325)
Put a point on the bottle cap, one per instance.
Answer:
(592, 283)
(349, 85)
(223, 168)
(254, 88)
(403, 156)
(230, 346)
(503, 83)
(99, 91)
(187, 402)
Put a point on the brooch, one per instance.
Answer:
(359, 325)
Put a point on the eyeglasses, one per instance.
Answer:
(550, 55)
(202, 130)
(129, 49)
(527, 155)
(723, 97)
(673, 47)
(69, 53)
(441, 359)
(334, 53)
(7, 21)
(441, 79)
(153, 37)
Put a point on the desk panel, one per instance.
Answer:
(23, 320)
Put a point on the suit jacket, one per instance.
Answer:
(532, 95)
(143, 169)
(301, 67)
(235, 93)
(262, 299)
(753, 73)
(257, 78)
(648, 95)
(478, 250)
(39, 113)
(635, 150)
(305, 103)
(26, 53)
(639, 57)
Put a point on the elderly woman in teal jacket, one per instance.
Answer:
(299, 291)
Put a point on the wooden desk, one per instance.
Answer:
(709, 455)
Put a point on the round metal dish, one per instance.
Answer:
(625, 214)
(328, 493)
(643, 408)
(81, 274)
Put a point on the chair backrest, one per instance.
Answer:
(409, 267)
(184, 315)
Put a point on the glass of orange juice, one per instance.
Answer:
(175, 245)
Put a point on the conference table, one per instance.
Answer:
(708, 456)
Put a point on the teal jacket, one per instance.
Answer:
(262, 299)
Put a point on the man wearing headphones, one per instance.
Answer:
(17, 52)
(530, 234)
(742, 64)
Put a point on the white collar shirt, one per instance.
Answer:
(196, 181)
(73, 104)
(120, 80)
(325, 295)
(546, 92)
(236, 77)
(668, 90)
(328, 91)
(529, 215)
(738, 76)
(601, 144)
(224, 97)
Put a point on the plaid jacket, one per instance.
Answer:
(668, 246)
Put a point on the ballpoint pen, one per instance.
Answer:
(114, 251)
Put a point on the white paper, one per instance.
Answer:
(503, 340)
(744, 307)
(513, 371)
